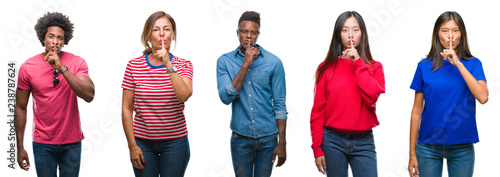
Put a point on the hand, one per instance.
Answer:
(22, 156)
(320, 163)
(52, 58)
(250, 52)
(163, 53)
(136, 157)
(351, 53)
(280, 151)
(450, 55)
(413, 166)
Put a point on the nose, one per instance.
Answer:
(351, 34)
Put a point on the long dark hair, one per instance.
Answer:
(462, 49)
(336, 46)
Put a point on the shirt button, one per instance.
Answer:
(253, 121)
(251, 109)
(248, 69)
(250, 95)
(248, 82)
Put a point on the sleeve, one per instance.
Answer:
(371, 81)
(187, 70)
(227, 93)
(418, 83)
(128, 79)
(318, 115)
(83, 69)
(478, 71)
(278, 86)
(23, 78)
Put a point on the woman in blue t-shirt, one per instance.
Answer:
(448, 81)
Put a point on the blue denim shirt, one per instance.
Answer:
(261, 99)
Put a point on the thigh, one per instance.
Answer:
(69, 159)
(334, 146)
(243, 155)
(460, 160)
(363, 157)
(174, 157)
(151, 166)
(264, 155)
(430, 160)
(45, 159)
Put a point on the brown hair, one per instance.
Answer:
(148, 27)
(336, 46)
(462, 49)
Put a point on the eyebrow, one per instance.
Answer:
(57, 35)
(159, 26)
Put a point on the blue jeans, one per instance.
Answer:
(165, 158)
(48, 157)
(342, 149)
(460, 159)
(253, 156)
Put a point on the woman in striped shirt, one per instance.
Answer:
(155, 86)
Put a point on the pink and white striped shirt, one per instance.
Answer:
(158, 113)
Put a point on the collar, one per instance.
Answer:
(159, 66)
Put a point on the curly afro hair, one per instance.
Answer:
(54, 19)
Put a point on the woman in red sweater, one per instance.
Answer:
(348, 84)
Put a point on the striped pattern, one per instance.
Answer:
(158, 113)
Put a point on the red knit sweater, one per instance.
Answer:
(345, 100)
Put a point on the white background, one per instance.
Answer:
(107, 35)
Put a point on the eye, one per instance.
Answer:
(344, 30)
(156, 29)
(356, 30)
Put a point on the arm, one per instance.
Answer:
(136, 156)
(317, 119)
(371, 82)
(280, 150)
(183, 86)
(478, 88)
(82, 86)
(278, 88)
(416, 116)
(22, 97)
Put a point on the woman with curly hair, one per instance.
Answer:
(55, 79)
(155, 86)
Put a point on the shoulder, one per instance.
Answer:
(181, 60)
(33, 61)
(138, 60)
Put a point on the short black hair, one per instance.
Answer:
(250, 16)
(54, 19)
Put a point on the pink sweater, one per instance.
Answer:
(345, 100)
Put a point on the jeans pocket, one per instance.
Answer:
(367, 134)
(327, 130)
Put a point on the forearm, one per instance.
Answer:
(479, 91)
(237, 82)
(128, 127)
(281, 131)
(20, 124)
(414, 128)
(82, 89)
(182, 89)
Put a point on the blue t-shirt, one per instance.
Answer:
(449, 115)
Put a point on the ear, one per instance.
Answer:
(237, 33)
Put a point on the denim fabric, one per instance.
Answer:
(261, 99)
(253, 156)
(165, 158)
(357, 150)
(48, 157)
(460, 159)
